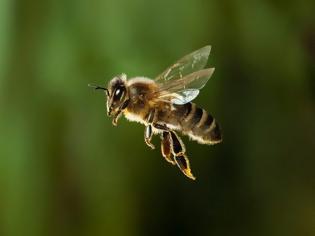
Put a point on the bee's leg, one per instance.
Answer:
(166, 144)
(148, 129)
(116, 117)
(148, 136)
(178, 150)
(118, 114)
(161, 127)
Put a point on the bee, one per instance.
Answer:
(163, 105)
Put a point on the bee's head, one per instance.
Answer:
(116, 93)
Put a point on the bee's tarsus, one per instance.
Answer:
(183, 164)
(148, 142)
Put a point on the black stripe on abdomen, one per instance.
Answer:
(208, 122)
(187, 109)
(197, 123)
(197, 116)
(204, 127)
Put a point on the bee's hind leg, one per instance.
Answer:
(166, 144)
(172, 144)
(179, 152)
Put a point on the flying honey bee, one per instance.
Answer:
(164, 106)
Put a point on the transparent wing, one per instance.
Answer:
(184, 96)
(192, 62)
(185, 89)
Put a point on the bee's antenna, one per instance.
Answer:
(96, 87)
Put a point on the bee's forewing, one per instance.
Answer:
(188, 64)
(185, 89)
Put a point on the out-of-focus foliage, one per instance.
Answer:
(65, 170)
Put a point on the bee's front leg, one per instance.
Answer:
(119, 112)
(116, 117)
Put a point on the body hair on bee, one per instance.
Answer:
(163, 105)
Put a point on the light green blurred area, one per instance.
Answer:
(65, 170)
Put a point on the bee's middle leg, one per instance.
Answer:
(148, 136)
(148, 133)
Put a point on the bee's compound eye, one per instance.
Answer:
(119, 92)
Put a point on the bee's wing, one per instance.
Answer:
(190, 63)
(185, 89)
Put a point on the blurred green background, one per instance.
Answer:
(65, 170)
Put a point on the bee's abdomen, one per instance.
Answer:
(199, 124)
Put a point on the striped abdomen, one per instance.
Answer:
(197, 123)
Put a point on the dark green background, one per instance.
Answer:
(65, 170)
